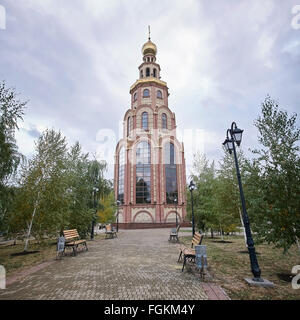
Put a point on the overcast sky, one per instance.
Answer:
(75, 60)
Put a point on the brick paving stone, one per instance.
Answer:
(139, 264)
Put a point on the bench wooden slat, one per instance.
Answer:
(70, 232)
(188, 251)
(71, 236)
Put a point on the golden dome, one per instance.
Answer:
(149, 48)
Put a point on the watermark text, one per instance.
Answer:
(2, 278)
(296, 279)
(2, 18)
(295, 23)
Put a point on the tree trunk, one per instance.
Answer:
(30, 225)
(222, 234)
(212, 233)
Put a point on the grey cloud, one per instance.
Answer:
(33, 132)
(76, 60)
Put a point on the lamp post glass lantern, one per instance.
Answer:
(229, 143)
(192, 188)
(236, 134)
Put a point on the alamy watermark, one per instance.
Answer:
(295, 23)
(2, 18)
(2, 278)
(296, 279)
(194, 141)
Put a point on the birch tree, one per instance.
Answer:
(42, 202)
(274, 177)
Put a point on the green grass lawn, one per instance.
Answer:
(41, 252)
(229, 266)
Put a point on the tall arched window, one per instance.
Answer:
(154, 73)
(143, 173)
(164, 121)
(129, 125)
(159, 94)
(121, 175)
(146, 93)
(145, 120)
(171, 173)
(147, 72)
(135, 96)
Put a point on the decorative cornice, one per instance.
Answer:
(148, 80)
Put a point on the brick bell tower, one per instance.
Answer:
(149, 174)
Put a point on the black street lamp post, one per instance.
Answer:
(192, 187)
(229, 144)
(118, 203)
(175, 203)
(95, 190)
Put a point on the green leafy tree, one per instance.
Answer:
(227, 197)
(274, 178)
(107, 210)
(203, 175)
(42, 201)
(11, 111)
(80, 213)
(96, 180)
(216, 197)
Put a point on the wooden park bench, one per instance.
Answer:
(73, 240)
(189, 253)
(174, 234)
(110, 232)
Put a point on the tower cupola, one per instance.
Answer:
(149, 48)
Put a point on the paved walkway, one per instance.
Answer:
(140, 264)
